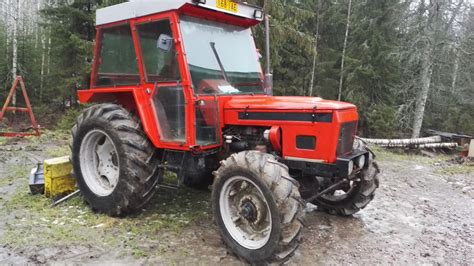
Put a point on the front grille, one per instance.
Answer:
(346, 138)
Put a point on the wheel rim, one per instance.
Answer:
(100, 166)
(245, 212)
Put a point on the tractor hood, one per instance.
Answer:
(285, 103)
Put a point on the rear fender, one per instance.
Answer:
(138, 102)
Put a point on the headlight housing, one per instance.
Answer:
(361, 161)
(350, 167)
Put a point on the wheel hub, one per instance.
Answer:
(249, 211)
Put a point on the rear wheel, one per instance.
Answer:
(257, 207)
(114, 162)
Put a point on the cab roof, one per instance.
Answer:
(140, 8)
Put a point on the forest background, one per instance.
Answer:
(407, 64)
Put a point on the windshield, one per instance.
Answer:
(222, 58)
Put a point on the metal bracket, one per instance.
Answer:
(314, 115)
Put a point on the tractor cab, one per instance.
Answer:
(179, 57)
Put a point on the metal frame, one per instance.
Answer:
(26, 109)
(140, 8)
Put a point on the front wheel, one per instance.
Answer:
(257, 207)
(354, 196)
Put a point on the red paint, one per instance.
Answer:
(275, 138)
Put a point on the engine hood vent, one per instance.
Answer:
(285, 103)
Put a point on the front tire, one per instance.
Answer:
(357, 196)
(114, 162)
(257, 207)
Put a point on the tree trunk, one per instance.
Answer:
(455, 71)
(49, 53)
(426, 67)
(15, 45)
(311, 86)
(8, 14)
(37, 28)
(43, 61)
(344, 49)
(427, 72)
(433, 31)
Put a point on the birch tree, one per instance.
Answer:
(346, 36)
(315, 56)
(16, 20)
(434, 33)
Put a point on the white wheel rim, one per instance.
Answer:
(100, 165)
(245, 212)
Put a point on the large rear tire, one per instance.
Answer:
(257, 207)
(114, 162)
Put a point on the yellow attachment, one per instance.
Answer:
(58, 179)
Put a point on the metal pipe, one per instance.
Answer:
(56, 203)
(268, 82)
(267, 44)
(345, 180)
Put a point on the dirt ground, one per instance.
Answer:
(423, 213)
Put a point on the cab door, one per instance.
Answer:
(161, 71)
(208, 129)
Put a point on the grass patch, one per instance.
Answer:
(139, 253)
(3, 141)
(14, 172)
(60, 151)
(49, 140)
(68, 120)
(401, 155)
(33, 223)
(455, 169)
(49, 136)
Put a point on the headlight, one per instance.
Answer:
(350, 167)
(258, 14)
(361, 161)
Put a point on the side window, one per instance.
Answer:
(170, 111)
(117, 60)
(158, 51)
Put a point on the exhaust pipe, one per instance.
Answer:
(268, 82)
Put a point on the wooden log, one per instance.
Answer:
(447, 145)
(402, 142)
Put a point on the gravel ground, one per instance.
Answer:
(422, 214)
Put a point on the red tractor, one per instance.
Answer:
(179, 87)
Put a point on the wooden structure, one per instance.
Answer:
(27, 109)
(471, 149)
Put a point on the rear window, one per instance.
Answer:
(117, 59)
